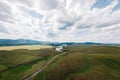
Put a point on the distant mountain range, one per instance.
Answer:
(10, 42)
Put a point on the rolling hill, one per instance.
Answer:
(83, 62)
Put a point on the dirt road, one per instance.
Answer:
(42, 68)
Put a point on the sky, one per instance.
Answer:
(61, 20)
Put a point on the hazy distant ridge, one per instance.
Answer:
(10, 42)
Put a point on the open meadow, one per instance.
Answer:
(21, 61)
(77, 62)
(84, 62)
(29, 47)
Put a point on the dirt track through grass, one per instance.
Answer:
(42, 68)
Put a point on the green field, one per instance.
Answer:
(78, 62)
(84, 62)
(17, 64)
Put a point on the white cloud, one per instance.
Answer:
(59, 20)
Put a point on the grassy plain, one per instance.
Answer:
(78, 62)
(19, 63)
(84, 62)
(29, 47)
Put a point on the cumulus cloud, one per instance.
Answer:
(5, 12)
(61, 20)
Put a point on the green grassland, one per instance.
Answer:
(17, 64)
(84, 62)
(77, 62)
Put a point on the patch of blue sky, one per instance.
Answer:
(32, 13)
(101, 3)
(117, 6)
